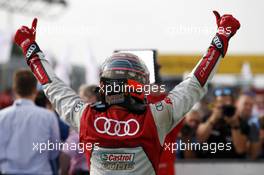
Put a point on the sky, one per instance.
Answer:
(97, 27)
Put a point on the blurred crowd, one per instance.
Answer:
(229, 121)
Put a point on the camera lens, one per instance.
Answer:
(228, 110)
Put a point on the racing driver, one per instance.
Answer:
(126, 131)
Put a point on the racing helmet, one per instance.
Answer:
(125, 65)
(124, 69)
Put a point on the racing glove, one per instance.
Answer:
(25, 38)
(206, 68)
(227, 27)
(65, 100)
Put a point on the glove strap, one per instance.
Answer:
(220, 42)
(34, 62)
(32, 50)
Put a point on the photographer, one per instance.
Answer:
(215, 129)
(246, 127)
(187, 134)
(261, 121)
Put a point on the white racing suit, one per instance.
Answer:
(123, 142)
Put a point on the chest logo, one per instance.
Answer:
(118, 161)
(113, 127)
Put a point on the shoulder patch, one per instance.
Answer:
(159, 106)
(78, 106)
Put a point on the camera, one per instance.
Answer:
(228, 110)
(187, 131)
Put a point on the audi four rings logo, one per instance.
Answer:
(30, 50)
(113, 127)
(217, 42)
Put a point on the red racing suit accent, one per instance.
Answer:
(167, 158)
(146, 137)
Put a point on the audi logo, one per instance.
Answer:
(113, 127)
(31, 50)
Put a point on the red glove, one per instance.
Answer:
(227, 24)
(227, 27)
(25, 38)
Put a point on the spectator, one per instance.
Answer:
(188, 133)
(246, 127)
(88, 93)
(42, 101)
(73, 162)
(230, 123)
(6, 98)
(23, 125)
(214, 128)
(261, 119)
(259, 105)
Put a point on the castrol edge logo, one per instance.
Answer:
(118, 161)
(117, 157)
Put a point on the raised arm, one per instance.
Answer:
(181, 99)
(66, 102)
